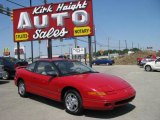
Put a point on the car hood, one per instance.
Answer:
(100, 81)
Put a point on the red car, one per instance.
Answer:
(73, 83)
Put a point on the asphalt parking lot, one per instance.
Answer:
(146, 105)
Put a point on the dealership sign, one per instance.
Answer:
(60, 20)
(78, 51)
(6, 52)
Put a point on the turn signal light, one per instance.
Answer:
(97, 93)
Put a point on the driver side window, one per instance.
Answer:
(30, 67)
(45, 68)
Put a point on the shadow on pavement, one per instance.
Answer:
(3, 82)
(88, 113)
(111, 113)
(46, 101)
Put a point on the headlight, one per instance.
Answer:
(97, 93)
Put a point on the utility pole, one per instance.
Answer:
(108, 48)
(126, 43)
(119, 46)
(7, 11)
(75, 45)
(132, 45)
(95, 47)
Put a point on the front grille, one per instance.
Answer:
(124, 101)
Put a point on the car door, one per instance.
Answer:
(45, 84)
(157, 64)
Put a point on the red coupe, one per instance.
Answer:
(73, 83)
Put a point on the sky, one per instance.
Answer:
(135, 21)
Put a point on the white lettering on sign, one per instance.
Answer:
(39, 34)
(60, 18)
(42, 9)
(78, 51)
(24, 21)
(80, 14)
(44, 23)
(71, 6)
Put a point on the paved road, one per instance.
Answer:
(146, 106)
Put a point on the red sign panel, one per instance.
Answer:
(60, 20)
(21, 51)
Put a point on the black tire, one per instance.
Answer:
(22, 89)
(73, 102)
(148, 68)
(5, 75)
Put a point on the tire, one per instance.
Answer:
(5, 75)
(73, 102)
(148, 68)
(22, 89)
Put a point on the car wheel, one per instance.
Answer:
(73, 102)
(22, 89)
(5, 75)
(148, 68)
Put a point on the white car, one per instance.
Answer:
(153, 65)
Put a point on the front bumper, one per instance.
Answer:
(111, 101)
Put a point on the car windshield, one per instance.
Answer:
(73, 67)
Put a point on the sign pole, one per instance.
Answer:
(90, 54)
(49, 43)
(85, 57)
(18, 50)
(31, 40)
(49, 48)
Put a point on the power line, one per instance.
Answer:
(15, 3)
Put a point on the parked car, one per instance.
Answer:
(1, 70)
(153, 65)
(103, 61)
(9, 64)
(147, 58)
(73, 83)
(144, 61)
